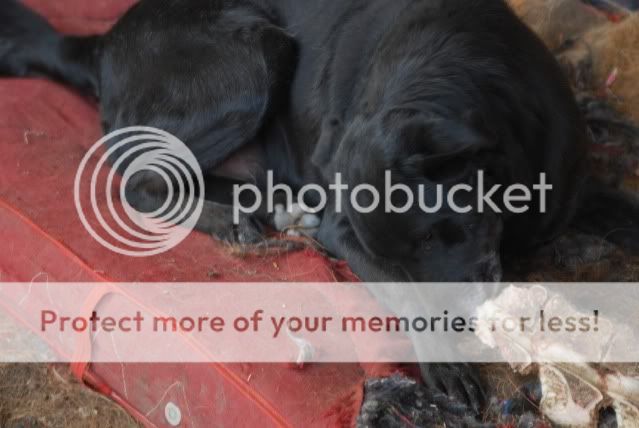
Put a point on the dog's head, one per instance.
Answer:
(429, 156)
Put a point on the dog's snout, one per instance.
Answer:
(488, 269)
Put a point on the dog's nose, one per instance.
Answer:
(488, 269)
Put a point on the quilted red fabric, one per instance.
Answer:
(45, 131)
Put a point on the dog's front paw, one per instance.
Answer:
(245, 230)
(294, 221)
(455, 386)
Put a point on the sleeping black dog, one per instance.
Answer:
(431, 90)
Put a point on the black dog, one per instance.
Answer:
(431, 90)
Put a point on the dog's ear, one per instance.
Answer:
(436, 146)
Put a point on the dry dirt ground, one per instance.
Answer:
(38, 395)
(48, 395)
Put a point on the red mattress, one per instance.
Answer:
(45, 130)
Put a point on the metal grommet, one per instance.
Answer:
(173, 414)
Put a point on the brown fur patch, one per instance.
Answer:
(615, 63)
(604, 56)
(556, 21)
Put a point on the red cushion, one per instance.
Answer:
(45, 130)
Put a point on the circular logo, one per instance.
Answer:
(133, 151)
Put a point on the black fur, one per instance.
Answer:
(30, 47)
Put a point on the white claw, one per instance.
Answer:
(282, 219)
(296, 211)
(309, 221)
(295, 221)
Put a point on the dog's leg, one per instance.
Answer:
(147, 192)
(452, 384)
(211, 74)
(30, 47)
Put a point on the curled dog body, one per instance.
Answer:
(432, 91)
